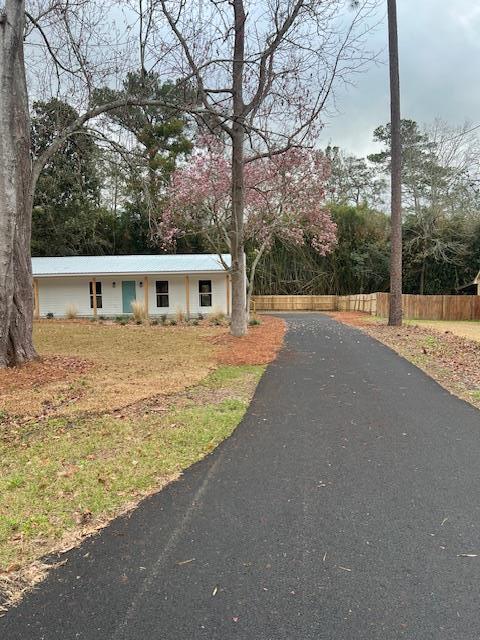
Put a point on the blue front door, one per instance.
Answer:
(128, 295)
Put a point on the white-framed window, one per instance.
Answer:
(161, 289)
(205, 292)
(98, 293)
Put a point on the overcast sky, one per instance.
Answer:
(439, 44)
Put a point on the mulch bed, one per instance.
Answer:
(451, 360)
(259, 346)
(42, 371)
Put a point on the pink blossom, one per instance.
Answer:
(284, 198)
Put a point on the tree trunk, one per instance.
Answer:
(251, 279)
(395, 310)
(238, 325)
(422, 278)
(16, 294)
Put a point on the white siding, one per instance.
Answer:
(56, 294)
(219, 294)
(177, 294)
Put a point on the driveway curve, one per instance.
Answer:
(344, 507)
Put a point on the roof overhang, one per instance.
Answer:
(94, 274)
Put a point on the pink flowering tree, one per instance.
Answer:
(284, 199)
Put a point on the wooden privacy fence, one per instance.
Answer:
(434, 307)
(294, 303)
(366, 302)
(414, 307)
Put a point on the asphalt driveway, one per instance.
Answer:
(339, 509)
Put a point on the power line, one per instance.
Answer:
(463, 133)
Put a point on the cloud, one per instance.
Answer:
(439, 54)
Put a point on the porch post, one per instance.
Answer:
(187, 296)
(227, 280)
(94, 292)
(145, 296)
(36, 306)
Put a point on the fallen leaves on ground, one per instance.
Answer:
(42, 371)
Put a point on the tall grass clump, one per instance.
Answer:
(138, 312)
(71, 312)
(180, 315)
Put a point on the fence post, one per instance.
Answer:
(443, 308)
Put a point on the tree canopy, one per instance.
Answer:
(165, 186)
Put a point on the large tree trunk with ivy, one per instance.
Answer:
(16, 296)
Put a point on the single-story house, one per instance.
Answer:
(107, 285)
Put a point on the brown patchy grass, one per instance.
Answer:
(452, 360)
(104, 367)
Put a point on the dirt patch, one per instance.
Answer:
(41, 372)
(259, 346)
(16, 582)
(451, 360)
(198, 395)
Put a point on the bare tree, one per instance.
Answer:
(395, 309)
(263, 72)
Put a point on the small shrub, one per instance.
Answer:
(71, 312)
(93, 319)
(173, 322)
(217, 318)
(102, 317)
(50, 315)
(123, 322)
(120, 319)
(155, 321)
(163, 318)
(254, 321)
(138, 312)
(195, 322)
(201, 316)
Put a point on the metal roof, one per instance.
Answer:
(104, 265)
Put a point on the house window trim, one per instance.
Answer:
(98, 293)
(205, 294)
(162, 294)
